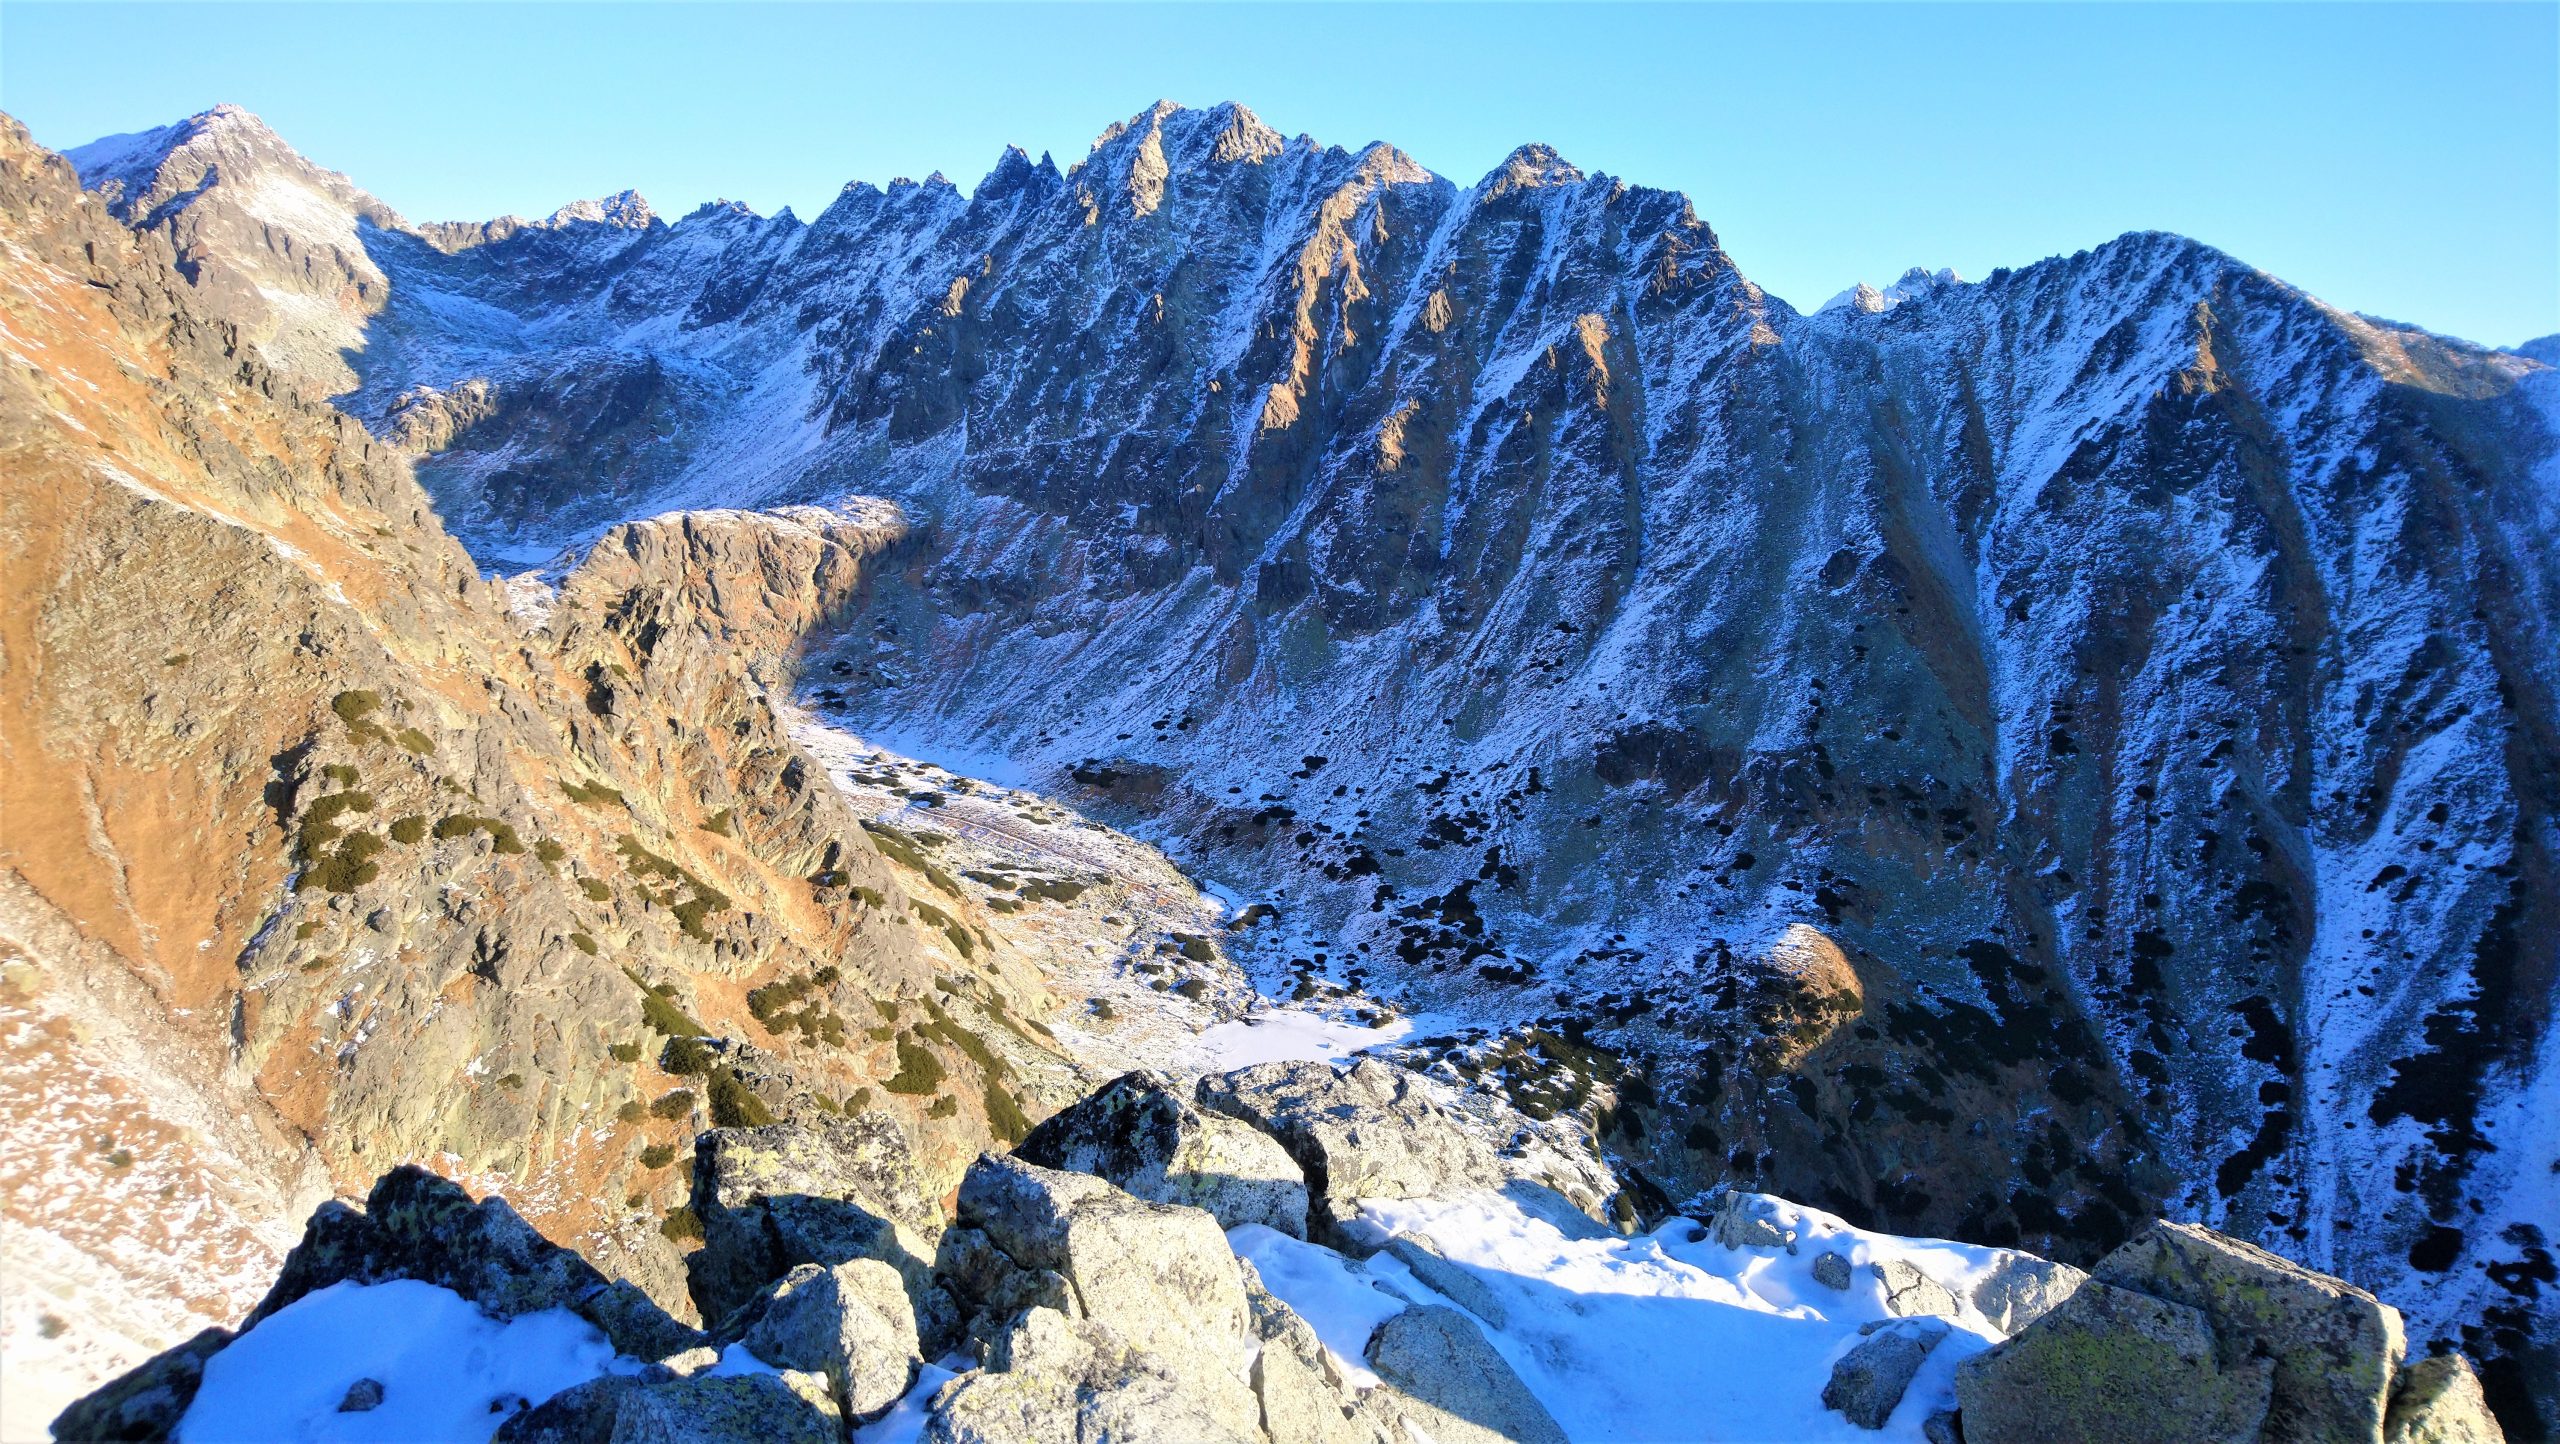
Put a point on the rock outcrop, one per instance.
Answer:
(2111, 1364)
(1366, 1131)
(825, 1192)
(2186, 1335)
(2438, 1401)
(1142, 1132)
(415, 1225)
(1452, 1382)
(2334, 1347)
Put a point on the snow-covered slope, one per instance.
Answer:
(1990, 764)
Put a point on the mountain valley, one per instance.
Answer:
(1998, 761)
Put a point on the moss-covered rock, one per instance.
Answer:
(2108, 1366)
(2334, 1346)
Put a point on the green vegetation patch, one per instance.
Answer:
(734, 1104)
(673, 1105)
(417, 742)
(657, 1155)
(919, 1072)
(502, 835)
(904, 849)
(593, 794)
(662, 1016)
(356, 710)
(347, 866)
(409, 831)
(950, 926)
(680, 1224)
(1004, 1115)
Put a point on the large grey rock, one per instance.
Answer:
(722, 1409)
(2106, 1366)
(1143, 1134)
(1748, 1220)
(1367, 1131)
(2020, 1288)
(825, 1191)
(147, 1401)
(1055, 1378)
(1869, 1380)
(2438, 1401)
(416, 1225)
(1454, 1281)
(2334, 1346)
(851, 1323)
(1450, 1378)
(1831, 1270)
(1908, 1291)
(1159, 1276)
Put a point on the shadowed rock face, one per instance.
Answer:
(2135, 671)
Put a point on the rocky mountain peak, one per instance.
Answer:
(624, 209)
(1017, 174)
(1916, 282)
(1530, 166)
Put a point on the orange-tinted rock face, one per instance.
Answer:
(315, 859)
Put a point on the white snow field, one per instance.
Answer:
(1666, 1335)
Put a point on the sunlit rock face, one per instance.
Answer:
(1995, 764)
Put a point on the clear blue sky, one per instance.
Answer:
(2398, 160)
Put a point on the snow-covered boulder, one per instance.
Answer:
(1145, 1135)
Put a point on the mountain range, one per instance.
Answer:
(1996, 759)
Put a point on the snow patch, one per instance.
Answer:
(447, 1370)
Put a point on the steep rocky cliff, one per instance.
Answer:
(1995, 763)
(319, 857)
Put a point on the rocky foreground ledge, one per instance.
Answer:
(1294, 1253)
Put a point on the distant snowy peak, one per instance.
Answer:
(226, 146)
(1917, 282)
(624, 209)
